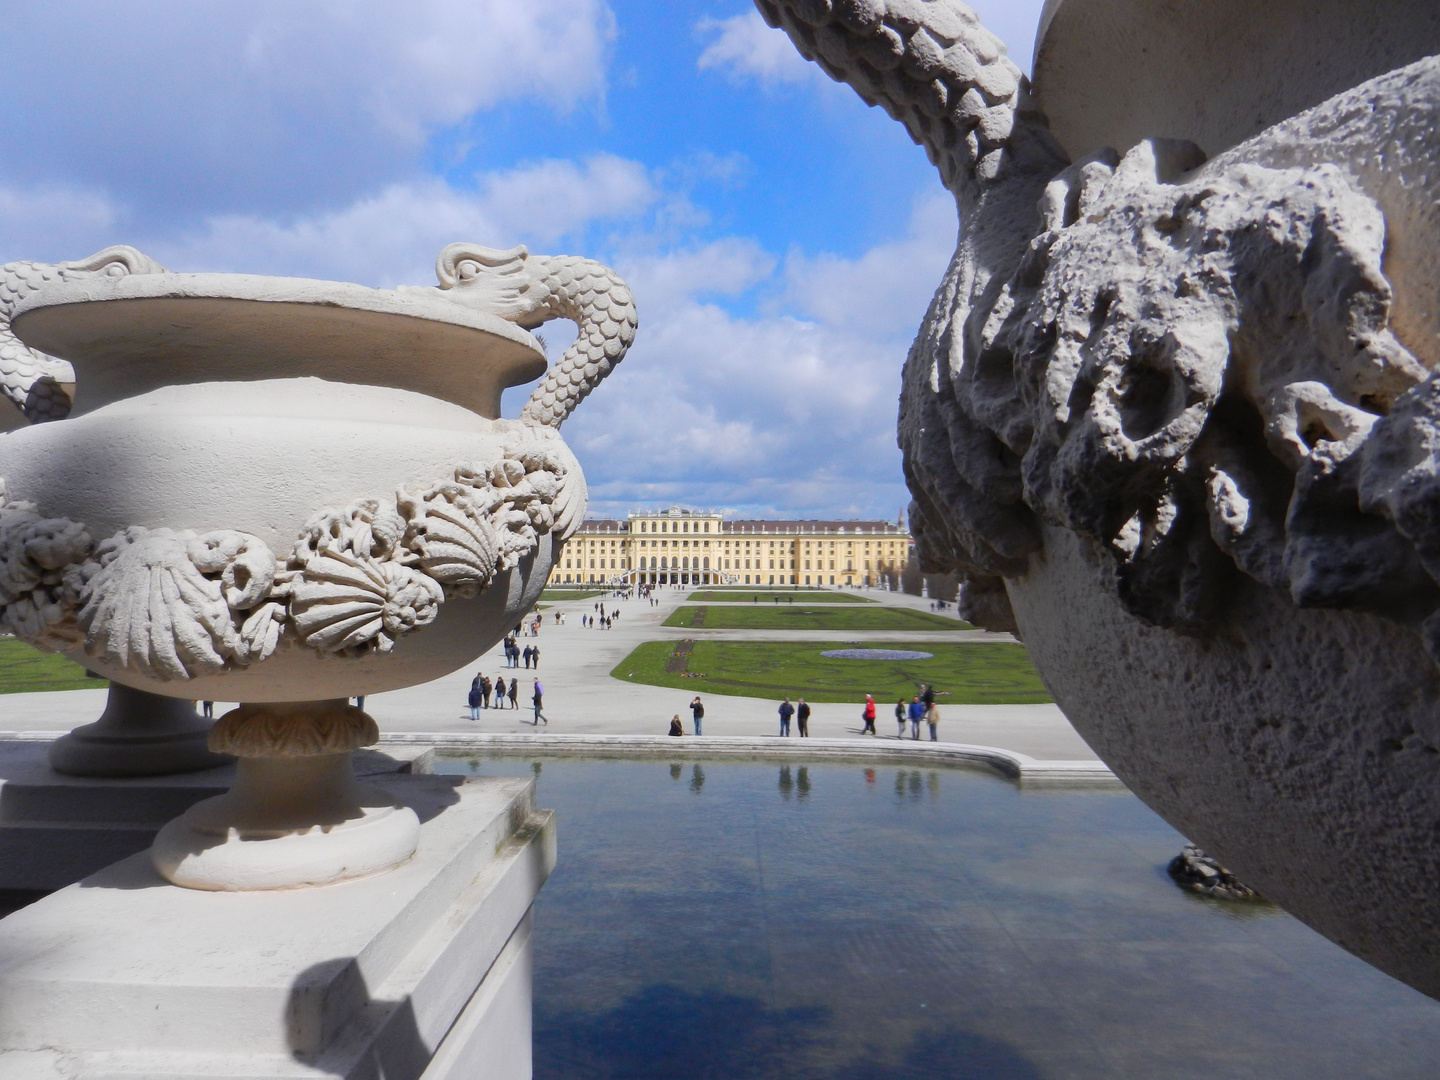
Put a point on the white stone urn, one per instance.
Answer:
(1174, 412)
(288, 491)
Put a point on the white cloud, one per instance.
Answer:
(757, 383)
(745, 48)
(185, 108)
(789, 410)
(877, 290)
(726, 267)
(393, 237)
(54, 224)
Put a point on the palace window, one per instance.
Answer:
(707, 564)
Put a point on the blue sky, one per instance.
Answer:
(782, 239)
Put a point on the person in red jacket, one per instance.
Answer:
(869, 715)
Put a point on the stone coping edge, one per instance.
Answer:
(1008, 763)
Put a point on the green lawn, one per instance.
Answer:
(572, 594)
(24, 669)
(800, 617)
(798, 596)
(986, 673)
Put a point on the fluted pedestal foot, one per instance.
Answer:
(295, 816)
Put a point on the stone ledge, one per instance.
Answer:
(125, 975)
(1009, 763)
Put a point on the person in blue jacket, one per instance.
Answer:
(917, 713)
(786, 711)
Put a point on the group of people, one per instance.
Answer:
(697, 712)
(921, 707)
(482, 690)
(601, 620)
(800, 711)
(514, 654)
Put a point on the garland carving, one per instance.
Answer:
(175, 604)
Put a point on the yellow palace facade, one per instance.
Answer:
(680, 546)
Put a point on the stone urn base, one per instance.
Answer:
(295, 816)
(138, 734)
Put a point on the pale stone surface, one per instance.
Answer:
(138, 734)
(1114, 72)
(286, 823)
(1176, 417)
(221, 416)
(123, 975)
(268, 486)
(56, 829)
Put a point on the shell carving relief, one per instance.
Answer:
(174, 604)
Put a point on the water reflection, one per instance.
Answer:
(675, 771)
(964, 928)
(911, 784)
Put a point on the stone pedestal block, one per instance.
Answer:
(420, 971)
(56, 829)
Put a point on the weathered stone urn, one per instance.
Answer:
(288, 493)
(1174, 412)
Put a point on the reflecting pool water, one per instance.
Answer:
(765, 920)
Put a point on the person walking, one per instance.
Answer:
(484, 692)
(697, 710)
(933, 718)
(917, 710)
(786, 711)
(802, 717)
(675, 726)
(927, 696)
(525, 655)
(869, 715)
(535, 657)
(499, 691)
(539, 700)
(474, 698)
(900, 717)
(514, 693)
